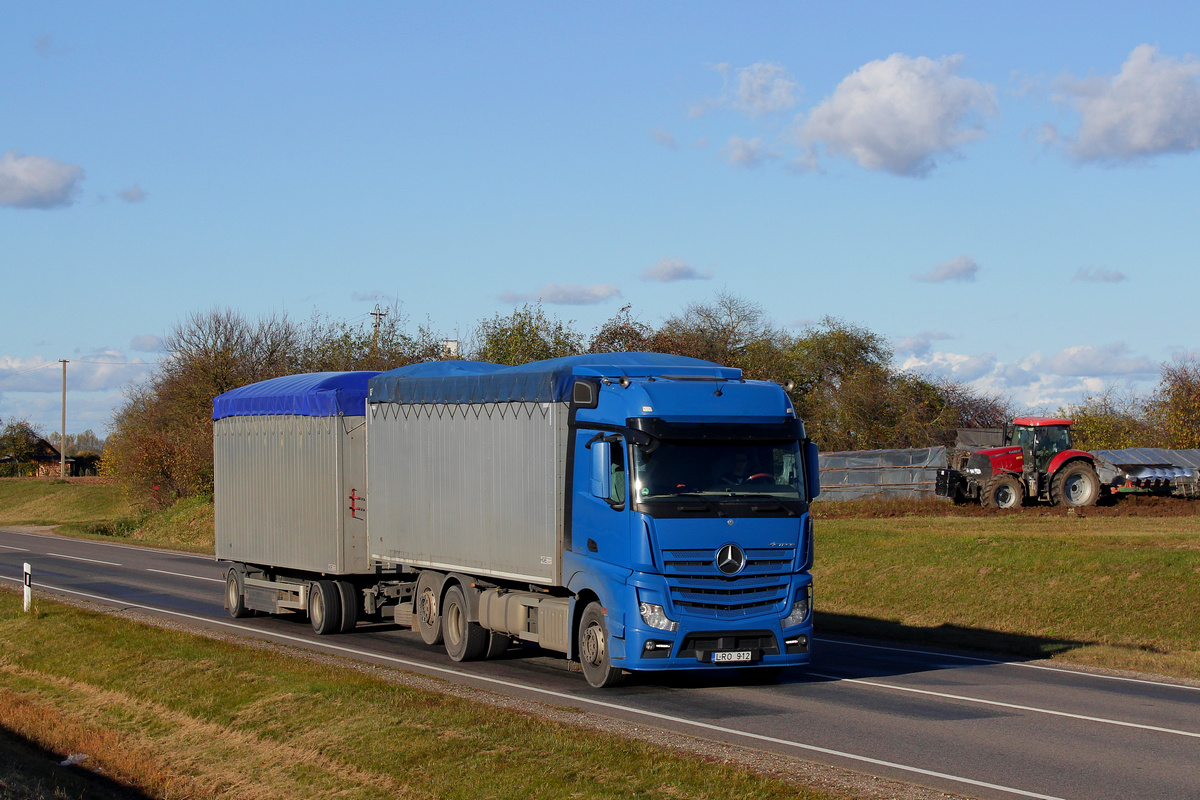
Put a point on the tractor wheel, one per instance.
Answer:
(1002, 491)
(1076, 484)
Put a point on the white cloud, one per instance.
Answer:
(669, 270)
(747, 153)
(134, 194)
(1037, 381)
(898, 114)
(961, 268)
(147, 343)
(1107, 361)
(1150, 108)
(103, 370)
(665, 138)
(764, 89)
(920, 344)
(761, 89)
(569, 294)
(37, 181)
(1099, 275)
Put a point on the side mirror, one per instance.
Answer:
(812, 465)
(601, 466)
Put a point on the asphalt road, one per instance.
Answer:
(972, 725)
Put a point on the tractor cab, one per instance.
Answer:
(1040, 440)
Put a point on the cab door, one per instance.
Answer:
(600, 497)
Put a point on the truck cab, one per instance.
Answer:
(690, 522)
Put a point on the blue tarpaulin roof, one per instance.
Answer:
(314, 394)
(547, 381)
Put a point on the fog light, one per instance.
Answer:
(656, 617)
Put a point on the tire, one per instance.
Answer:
(1075, 485)
(235, 595)
(593, 649)
(427, 609)
(349, 597)
(497, 645)
(324, 607)
(1002, 491)
(465, 640)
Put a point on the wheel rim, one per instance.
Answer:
(426, 612)
(231, 593)
(316, 610)
(1076, 489)
(453, 626)
(1004, 496)
(593, 645)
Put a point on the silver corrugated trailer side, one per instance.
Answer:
(476, 488)
(283, 487)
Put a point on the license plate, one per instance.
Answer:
(731, 656)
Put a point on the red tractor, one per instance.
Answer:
(1036, 461)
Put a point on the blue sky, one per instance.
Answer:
(1008, 192)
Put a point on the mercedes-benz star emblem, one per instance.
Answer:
(730, 559)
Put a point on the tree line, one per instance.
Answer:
(846, 389)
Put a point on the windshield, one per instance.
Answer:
(718, 469)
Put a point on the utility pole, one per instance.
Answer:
(378, 314)
(62, 440)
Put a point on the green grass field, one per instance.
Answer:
(1121, 592)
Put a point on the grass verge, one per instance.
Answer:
(178, 715)
(41, 501)
(1119, 592)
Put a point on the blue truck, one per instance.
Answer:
(634, 511)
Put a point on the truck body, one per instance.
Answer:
(634, 511)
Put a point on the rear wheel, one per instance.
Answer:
(1002, 491)
(235, 595)
(465, 640)
(348, 595)
(324, 607)
(593, 649)
(1076, 484)
(427, 610)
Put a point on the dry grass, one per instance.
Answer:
(181, 716)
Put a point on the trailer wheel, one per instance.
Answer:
(348, 595)
(593, 649)
(426, 610)
(1076, 484)
(1002, 491)
(235, 595)
(324, 607)
(465, 640)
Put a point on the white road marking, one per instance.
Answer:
(1014, 706)
(999, 662)
(10, 547)
(569, 697)
(90, 560)
(184, 575)
(142, 548)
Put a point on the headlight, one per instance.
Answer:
(656, 617)
(800, 609)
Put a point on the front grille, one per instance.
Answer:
(763, 642)
(697, 585)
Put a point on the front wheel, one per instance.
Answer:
(1076, 484)
(593, 649)
(1002, 491)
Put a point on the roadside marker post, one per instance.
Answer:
(28, 586)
